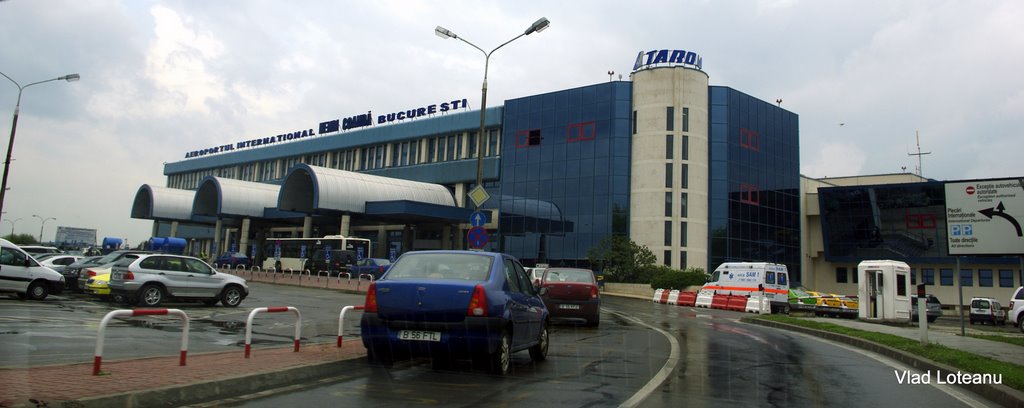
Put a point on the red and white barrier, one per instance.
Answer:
(138, 312)
(704, 299)
(758, 304)
(341, 319)
(276, 309)
(673, 297)
(686, 299)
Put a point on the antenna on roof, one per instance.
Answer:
(610, 73)
(920, 173)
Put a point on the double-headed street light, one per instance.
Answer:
(43, 224)
(12, 224)
(444, 33)
(14, 126)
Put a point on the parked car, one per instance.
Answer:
(103, 265)
(933, 308)
(99, 286)
(233, 260)
(987, 310)
(455, 304)
(571, 293)
(370, 266)
(1016, 314)
(153, 278)
(71, 272)
(22, 275)
(60, 262)
(836, 306)
(340, 261)
(39, 249)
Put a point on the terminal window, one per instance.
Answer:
(528, 138)
(577, 132)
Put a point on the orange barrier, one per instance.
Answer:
(720, 302)
(737, 303)
(686, 299)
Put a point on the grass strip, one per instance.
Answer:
(1015, 340)
(1013, 375)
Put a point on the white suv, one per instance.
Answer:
(153, 278)
(1016, 314)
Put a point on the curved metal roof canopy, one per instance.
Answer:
(163, 204)
(311, 189)
(220, 196)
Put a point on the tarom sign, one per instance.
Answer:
(650, 59)
(984, 217)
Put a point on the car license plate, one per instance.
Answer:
(570, 307)
(419, 335)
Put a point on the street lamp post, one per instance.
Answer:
(12, 224)
(444, 33)
(14, 126)
(41, 225)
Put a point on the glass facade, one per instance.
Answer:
(565, 171)
(754, 208)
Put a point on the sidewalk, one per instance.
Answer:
(161, 381)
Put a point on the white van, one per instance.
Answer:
(21, 274)
(745, 278)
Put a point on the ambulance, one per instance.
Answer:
(747, 278)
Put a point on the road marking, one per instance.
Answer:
(663, 374)
(948, 389)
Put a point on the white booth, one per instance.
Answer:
(884, 290)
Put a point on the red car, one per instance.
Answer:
(572, 294)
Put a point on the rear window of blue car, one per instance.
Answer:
(470, 267)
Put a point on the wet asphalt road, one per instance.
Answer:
(705, 357)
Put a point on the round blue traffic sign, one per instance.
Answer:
(476, 237)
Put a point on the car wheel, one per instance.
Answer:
(932, 319)
(231, 296)
(151, 296)
(539, 352)
(501, 359)
(38, 291)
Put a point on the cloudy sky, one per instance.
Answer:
(160, 78)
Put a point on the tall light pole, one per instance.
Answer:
(41, 225)
(14, 126)
(444, 33)
(12, 224)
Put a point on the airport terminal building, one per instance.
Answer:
(699, 174)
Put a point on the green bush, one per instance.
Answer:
(668, 278)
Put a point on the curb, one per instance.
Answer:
(997, 393)
(221, 389)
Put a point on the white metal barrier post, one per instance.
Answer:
(341, 319)
(276, 309)
(97, 359)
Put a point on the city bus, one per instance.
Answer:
(292, 253)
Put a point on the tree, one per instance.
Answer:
(21, 239)
(621, 259)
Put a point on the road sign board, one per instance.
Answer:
(478, 219)
(476, 237)
(392, 254)
(985, 217)
(479, 196)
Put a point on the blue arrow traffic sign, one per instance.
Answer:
(476, 237)
(478, 219)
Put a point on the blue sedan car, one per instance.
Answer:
(449, 305)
